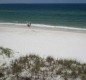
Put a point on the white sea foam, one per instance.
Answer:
(47, 26)
(58, 27)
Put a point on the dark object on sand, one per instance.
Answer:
(1, 74)
(29, 24)
(25, 78)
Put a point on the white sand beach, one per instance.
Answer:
(44, 42)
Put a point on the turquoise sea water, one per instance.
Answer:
(70, 15)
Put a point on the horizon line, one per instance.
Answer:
(42, 3)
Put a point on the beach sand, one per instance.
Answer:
(43, 42)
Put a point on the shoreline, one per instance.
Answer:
(45, 27)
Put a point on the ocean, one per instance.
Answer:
(67, 15)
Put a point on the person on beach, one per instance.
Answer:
(29, 24)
